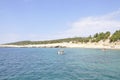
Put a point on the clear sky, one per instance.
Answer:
(52, 19)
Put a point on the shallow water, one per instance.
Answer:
(46, 64)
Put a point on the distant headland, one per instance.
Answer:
(98, 40)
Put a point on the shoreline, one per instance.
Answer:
(68, 45)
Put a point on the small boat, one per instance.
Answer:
(60, 52)
(104, 49)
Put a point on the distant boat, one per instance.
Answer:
(61, 52)
(104, 49)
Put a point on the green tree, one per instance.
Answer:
(96, 35)
(115, 36)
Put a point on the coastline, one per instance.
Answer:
(99, 45)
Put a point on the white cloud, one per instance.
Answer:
(82, 27)
(93, 24)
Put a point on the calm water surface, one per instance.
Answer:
(45, 64)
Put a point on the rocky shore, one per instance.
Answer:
(102, 45)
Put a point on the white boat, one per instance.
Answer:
(104, 49)
(61, 52)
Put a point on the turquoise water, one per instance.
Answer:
(45, 64)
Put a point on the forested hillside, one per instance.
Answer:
(95, 38)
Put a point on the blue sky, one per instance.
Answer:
(53, 19)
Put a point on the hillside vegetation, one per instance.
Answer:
(95, 38)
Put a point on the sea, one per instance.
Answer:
(46, 64)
